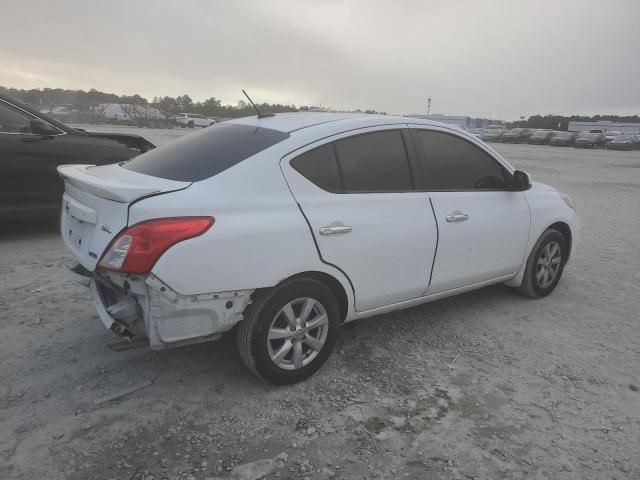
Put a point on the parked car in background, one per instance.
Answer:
(168, 260)
(492, 135)
(32, 145)
(476, 132)
(516, 135)
(541, 137)
(611, 134)
(597, 130)
(624, 142)
(563, 139)
(190, 120)
(590, 140)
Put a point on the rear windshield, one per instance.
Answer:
(202, 155)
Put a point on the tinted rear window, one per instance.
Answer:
(202, 155)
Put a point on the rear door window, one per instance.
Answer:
(202, 155)
(374, 162)
(366, 163)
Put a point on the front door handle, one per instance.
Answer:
(457, 217)
(334, 230)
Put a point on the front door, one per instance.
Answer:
(28, 180)
(483, 226)
(357, 194)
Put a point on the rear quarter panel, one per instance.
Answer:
(259, 237)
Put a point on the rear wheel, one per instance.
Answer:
(545, 264)
(289, 331)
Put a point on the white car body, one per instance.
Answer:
(395, 249)
(193, 120)
(611, 134)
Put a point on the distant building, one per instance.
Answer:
(606, 125)
(457, 120)
(122, 111)
(62, 113)
(462, 121)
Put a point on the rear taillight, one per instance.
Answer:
(138, 248)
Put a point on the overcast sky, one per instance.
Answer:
(500, 59)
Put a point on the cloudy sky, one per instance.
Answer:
(501, 59)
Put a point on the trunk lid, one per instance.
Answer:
(95, 205)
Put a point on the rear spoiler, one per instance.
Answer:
(129, 140)
(116, 183)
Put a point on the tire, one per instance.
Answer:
(532, 284)
(267, 314)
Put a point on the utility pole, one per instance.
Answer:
(428, 105)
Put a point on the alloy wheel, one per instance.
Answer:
(548, 264)
(297, 333)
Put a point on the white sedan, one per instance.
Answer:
(191, 120)
(288, 226)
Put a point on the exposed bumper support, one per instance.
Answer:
(131, 305)
(182, 319)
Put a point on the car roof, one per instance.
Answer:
(294, 121)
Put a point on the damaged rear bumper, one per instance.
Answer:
(145, 306)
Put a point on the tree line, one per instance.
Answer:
(86, 102)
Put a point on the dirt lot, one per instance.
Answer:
(485, 385)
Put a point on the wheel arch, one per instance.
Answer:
(559, 225)
(565, 230)
(328, 281)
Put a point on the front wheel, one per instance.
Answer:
(289, 331)
(545, 264)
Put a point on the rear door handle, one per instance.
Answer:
(334, 230)
(457, 217)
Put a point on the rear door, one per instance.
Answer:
(483, 226)
(358, 194)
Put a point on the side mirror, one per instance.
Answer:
(521, 181)
(39, 127)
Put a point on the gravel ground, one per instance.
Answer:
(484, 385)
